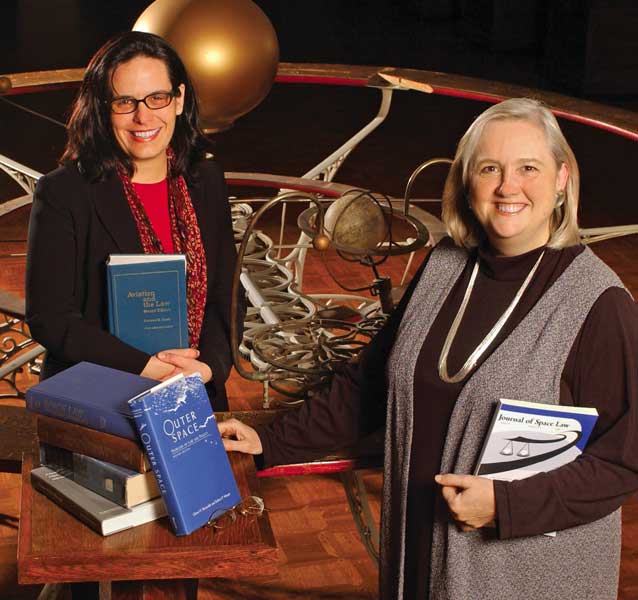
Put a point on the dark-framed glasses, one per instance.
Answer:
(156, 100)
(251, 507)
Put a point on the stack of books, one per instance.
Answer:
(118, 450)
(92, 463)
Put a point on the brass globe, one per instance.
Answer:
(355, 220)
(230, 50)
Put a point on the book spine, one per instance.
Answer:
(94, 475)
(90, 442)
(487, 436)
(183, 311)
(109, 296)
(158, 462)
(42, 485)
(88, 416)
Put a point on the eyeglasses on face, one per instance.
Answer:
(251, 507)
(156, 100)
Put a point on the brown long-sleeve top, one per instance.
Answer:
(601, 371)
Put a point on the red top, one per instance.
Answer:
(154, 198)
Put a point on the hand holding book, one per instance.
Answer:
(524, 438)
(185, 361)
(470, 499)
(163, 365)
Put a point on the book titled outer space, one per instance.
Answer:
(179, 432)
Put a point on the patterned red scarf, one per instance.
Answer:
(186, 237)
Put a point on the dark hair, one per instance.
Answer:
(91, 141)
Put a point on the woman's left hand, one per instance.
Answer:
(184, 360)
(470, 500)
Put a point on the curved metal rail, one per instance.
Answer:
(616, 120)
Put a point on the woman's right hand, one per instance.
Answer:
(160, 370)
(157, 369)
(239, 437)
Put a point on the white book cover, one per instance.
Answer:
(136, 259)
(526, 438)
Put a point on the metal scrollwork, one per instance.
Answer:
(25, 177)
(18, 352)
(301, 356)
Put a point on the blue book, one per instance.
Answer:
(526, 438)
(147, 300)
(179, 432)
(119, 484)
(91, 395)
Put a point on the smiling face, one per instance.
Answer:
(513, 185)
(145, 134)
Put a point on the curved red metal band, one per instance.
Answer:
(441, 91)
(321, 80)
(322, 468)
(305, 187)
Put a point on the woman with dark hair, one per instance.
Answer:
(513, 306)
(133, 179)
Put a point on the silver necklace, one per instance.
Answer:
(491, 335)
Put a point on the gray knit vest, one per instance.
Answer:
(581, 562)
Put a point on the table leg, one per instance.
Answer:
(155, 589)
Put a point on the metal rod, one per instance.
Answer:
(415, 174)
(347, 147)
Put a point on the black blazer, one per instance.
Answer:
(74, 227)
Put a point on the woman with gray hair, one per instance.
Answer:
(511, 305)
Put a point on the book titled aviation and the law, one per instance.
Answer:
(90, 395)
(147, 300)
(526, 438)
(179, 432)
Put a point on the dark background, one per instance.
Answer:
(585, 48)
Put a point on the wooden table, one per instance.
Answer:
(148, 561)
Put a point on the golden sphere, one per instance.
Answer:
(229, 48)
(5, 85)
(321, 242)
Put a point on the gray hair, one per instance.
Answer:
(461, 223)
